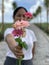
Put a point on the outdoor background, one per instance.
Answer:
(38, 8)
(39, 24)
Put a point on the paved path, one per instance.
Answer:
(42, 47)
(3, 50)
(41, 52)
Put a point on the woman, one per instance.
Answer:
(15, 51)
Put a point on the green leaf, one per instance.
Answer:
(18, 39)
(25, 45)
(21, 43)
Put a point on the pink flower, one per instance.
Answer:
(21, 24)
(28, 14)
(18, 32)
(18, 25)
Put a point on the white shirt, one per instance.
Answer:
(29, 39)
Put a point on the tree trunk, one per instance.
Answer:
(40, 20)
(2, 15)
(47, 19)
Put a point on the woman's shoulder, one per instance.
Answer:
(30, 31)
(8, 29)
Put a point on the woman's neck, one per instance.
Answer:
(24, 33)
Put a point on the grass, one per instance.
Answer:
(5, 27)
(43, 26)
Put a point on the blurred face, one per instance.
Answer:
(20, 15)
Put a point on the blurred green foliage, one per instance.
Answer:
(43, 26)
(1, 31)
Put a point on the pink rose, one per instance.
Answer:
(28, 14)
(20, 24)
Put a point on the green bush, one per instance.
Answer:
(1, 36)
(43, 26)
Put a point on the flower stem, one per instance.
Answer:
(20, 61)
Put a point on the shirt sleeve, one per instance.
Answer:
(33, 36)
(7, 31)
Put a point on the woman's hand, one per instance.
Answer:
(17, 50)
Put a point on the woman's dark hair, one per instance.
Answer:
(16, 10)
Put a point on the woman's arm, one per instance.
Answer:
(33, 50)
(10, 41)
(12, 45)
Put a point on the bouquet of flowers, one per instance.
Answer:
(18, 31)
